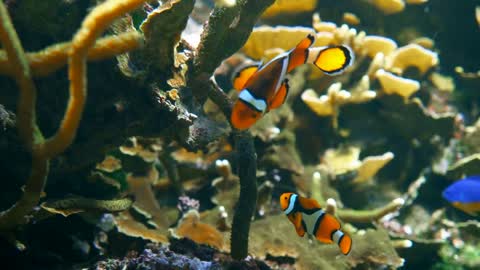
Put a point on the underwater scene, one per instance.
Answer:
(240, 134)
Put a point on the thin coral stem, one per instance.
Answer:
(54, 57)
(365, 216)
(16, 214)
(93, 25)
(247, 169)
(18, 64)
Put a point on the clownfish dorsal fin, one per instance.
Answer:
(280, 96)
(299, 55)
(243, 74)
(309, 203)
(331, 60)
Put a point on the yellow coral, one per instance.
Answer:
(371, 165)
(389, 6)
(350, 18)
(442, 82)
(425, 42)
(412, 55)
(289, 6)
(377, 44)
(282, 37)
(343, 160)
(329, 104)
(346, 159)
(394, 84)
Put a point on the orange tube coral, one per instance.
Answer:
(92, 27)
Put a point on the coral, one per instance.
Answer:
(109, 164)
(388, 6)
(145, 202)
(468, 165)
(158, 258)
(286, 6)
(43, 150)
(351, 18)
(126, 224)
(412, 55)
(345, 160)
(395, 84)
(247, 200)
(330, 103)
(442, 82)
(191, 227)
(378, 44)
(54, 57)
(306, 255)
(162, 29)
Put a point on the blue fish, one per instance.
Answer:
(464, 194)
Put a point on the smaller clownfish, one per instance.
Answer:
(307, 216)
(265, 87)
(464, 194)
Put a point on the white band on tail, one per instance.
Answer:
(337, 236)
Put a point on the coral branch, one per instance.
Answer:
(18, 65)
(42, 151)
(15, 215)
(363, 216)
(229, 29)
(26, 124)
(247, 168)
(93, 25)
(55, 57)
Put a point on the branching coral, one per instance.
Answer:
(54, 57)
(42, 151)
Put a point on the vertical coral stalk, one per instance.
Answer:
(21, 71)
(26, 124)
(247, 169)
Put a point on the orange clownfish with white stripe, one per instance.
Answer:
(265, 87)
(308, 217)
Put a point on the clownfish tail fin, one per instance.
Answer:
(331, 60)
(343, 240)
(299, 55)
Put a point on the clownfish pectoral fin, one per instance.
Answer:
(299, 55)
(296, 219)
(334, 60)
(280, 96)
(300, 231)
(243, 74)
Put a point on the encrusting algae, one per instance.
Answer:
(204, 138)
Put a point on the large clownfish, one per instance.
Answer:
(307, 216)
(265, 87)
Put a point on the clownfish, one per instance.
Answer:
(464, 194)
(265, 87)
(307, 216)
